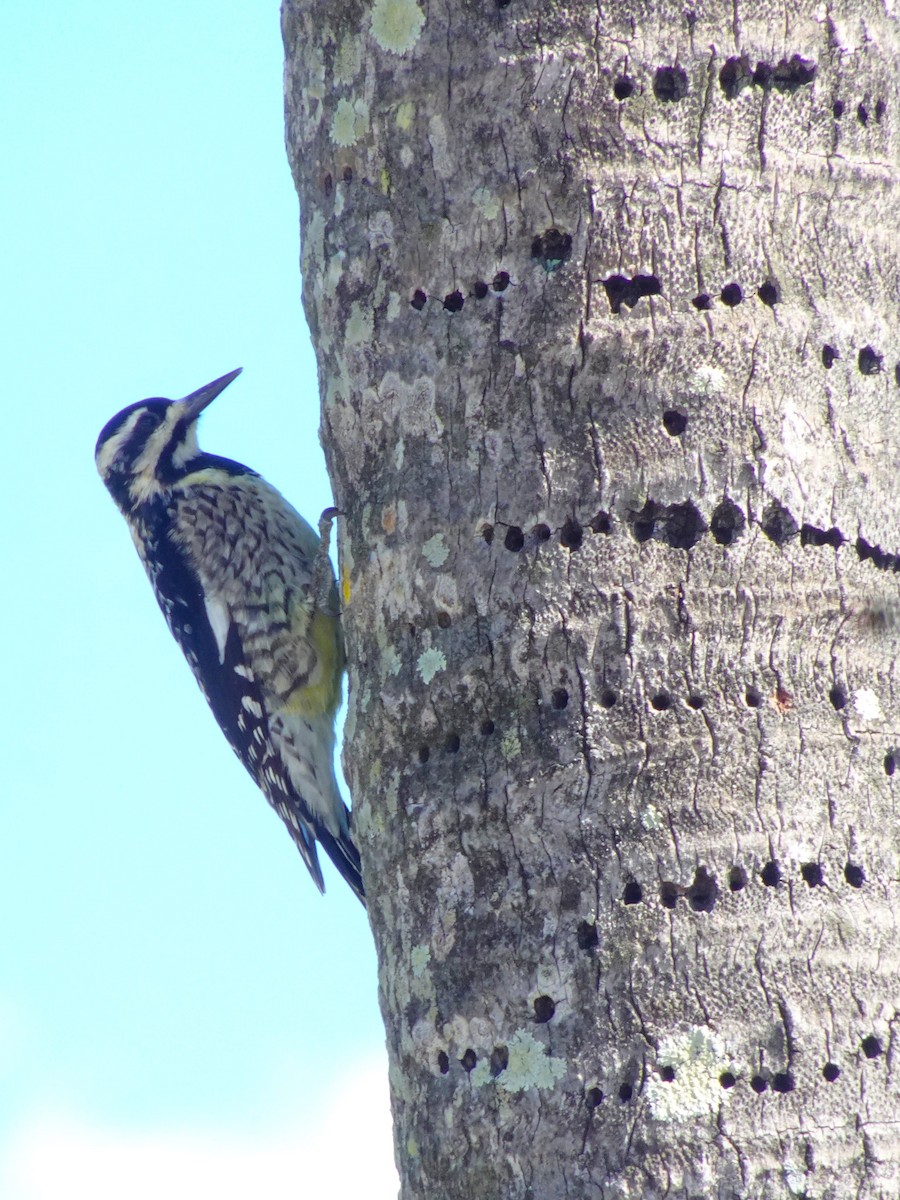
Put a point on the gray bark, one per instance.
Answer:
(605, 306)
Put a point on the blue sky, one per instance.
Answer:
(177, 1002)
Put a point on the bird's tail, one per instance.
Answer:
(343, 853)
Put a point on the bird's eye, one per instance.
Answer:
(147, 422)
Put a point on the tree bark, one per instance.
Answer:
(605, 298)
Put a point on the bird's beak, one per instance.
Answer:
(197, 401)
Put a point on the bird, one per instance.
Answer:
(248, 591)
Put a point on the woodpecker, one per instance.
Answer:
(248, 591)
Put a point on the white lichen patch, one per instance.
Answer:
(529, 1066)
(350, 122)
(867, 705)
(397, 24)
(486, 202)
(393, 306)
(510, 745)
(381, 229)
(435, 551)
(390, 661)
(698, 1059)
(405, 113)
(358, 331)
(419, 959)
(651, 818)
(440, 146)
(707, 380)
(429, 663)
(348, 60)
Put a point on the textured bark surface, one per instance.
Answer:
(605, 305)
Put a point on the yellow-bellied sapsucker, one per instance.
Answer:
(249, 593)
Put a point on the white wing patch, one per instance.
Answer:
(219, 617)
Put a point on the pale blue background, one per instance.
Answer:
(181, 1013)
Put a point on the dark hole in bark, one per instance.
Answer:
(778, 524)
(880, 559)
(593, 1097)
(812, 874)
(727, 523)
(500, 281)
(632, 893)
(515, 539)
(667, 1073)
(601, 522)
(454, 301)
(682, 526)
(752, 698)
(480, 290)
(572, 535)
(768, 293)
(735, 76)
(443, 1062)
(731, 295)
(862, 114)
(608, 698)
(737, 879)
(771, 874)
(695, 700)
(703, 892)
(541, 533)
(559, 698)
(626, 1091)
(880, 110)
(727, 1080)
(837, 109)
(424, 754)
(831, 1071)
(487, 728)
(661, 701)
(838, 697)
(829, 356)
(327, 183)
(674, 422)
(348, 174)
(792, 73)
(759, 1084)
(551, 249)
(643, 523)
(452, 743)
(469, 1060)
(487, 532)
(811, 535)
(854, 875)
(871, 1046)
(622, 290)
(668, 894)
(623, 87)
(702, 302)
(544, 1008)
(499, 1060)
(419, 300)
(890, 764)
(444, 620)
(783, 1082)
(586, 935)
(670, 84)
(869, 361)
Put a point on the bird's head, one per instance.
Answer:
(148, 446)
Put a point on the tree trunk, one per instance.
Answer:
(605, 306)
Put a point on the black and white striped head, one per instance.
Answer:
(149, 446)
